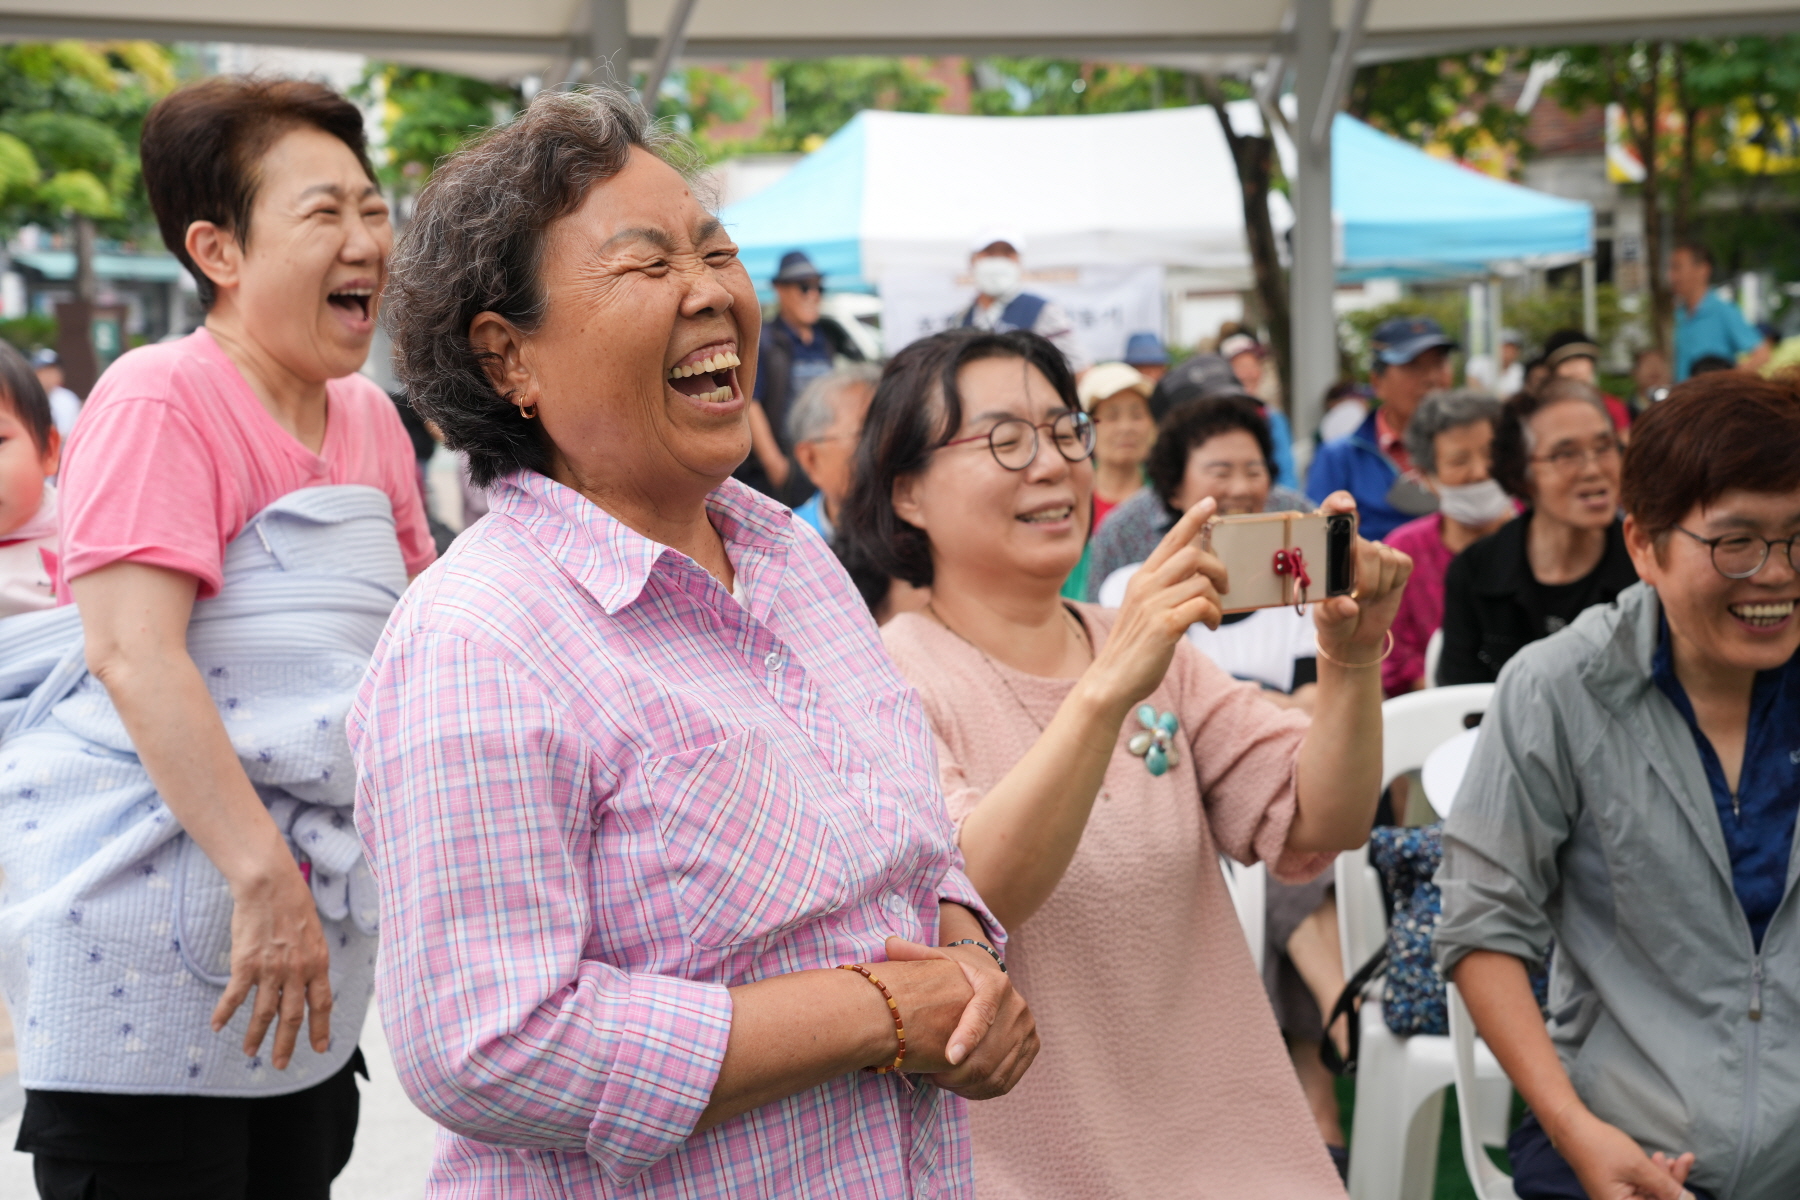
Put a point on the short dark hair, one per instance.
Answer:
(24, 392)
(1193, 423)
(1711, 364)
(203, 144)
(1732, 429)
(917, 407)
(1512, 436)
(474, 244)
(1698, 251)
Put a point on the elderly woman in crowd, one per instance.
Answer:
(1204, 447)
(1557, 451)
(1117, 397)
(240, 514)
(822, 426)
(1163, 1073)
(634, 773)
(1451, 442)
(1632, 798)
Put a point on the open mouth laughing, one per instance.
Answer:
(706, 374)
(356, 301)
(1047, 516)
(1764, 614)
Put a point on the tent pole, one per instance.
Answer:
(609, 43)
(1314, 277)
(1590, 309)
(667, 52)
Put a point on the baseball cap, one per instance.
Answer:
(797, 268)
(1107, 380)
(1145, 350)
(1203, 375)
(998, 233)
(1239, 343)
(1401, 339)
(44, 356)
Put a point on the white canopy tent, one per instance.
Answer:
(1317, 42)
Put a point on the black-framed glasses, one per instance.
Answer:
(1741, 555)
(1569, 459)
(1014, 440)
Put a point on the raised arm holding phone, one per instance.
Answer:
(1093, 834)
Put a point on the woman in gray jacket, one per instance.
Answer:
(1633, 797)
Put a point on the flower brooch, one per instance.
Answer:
(1156, 744)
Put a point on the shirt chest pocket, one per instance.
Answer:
(752, 852)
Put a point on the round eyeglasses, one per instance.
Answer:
(1014, 440)
(1741, 555)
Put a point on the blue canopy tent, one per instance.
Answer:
(1404, 212)
(909, 190)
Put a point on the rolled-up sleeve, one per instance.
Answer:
(1514, 812)
(475, 805)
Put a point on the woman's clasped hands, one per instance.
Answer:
(967, 1027)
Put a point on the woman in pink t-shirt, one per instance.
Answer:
(263, 189)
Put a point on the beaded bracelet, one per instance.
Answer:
(899, 1028)
(992, 953)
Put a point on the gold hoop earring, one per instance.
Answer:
(528, 411)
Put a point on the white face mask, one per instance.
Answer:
(1474, 503)
(997, 276)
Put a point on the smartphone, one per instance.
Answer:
(1251, 545)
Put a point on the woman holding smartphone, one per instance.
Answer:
(1093, 838)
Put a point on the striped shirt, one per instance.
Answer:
(597, 790)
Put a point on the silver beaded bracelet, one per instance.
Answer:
(992, 953)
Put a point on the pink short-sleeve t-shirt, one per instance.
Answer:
(174, 454)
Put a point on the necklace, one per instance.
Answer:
(1155, 743)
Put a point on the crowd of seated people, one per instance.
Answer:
(697, 845)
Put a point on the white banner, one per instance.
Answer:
(1106, 304)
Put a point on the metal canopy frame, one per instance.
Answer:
(1306, 41)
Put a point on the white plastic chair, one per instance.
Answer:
(1481, 1106)
(1434, 650)
(1249, 888)
(1400, 1081)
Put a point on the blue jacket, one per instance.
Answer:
(1356, 465)
(1282, 435)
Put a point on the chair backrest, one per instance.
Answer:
(1434, 650)
(1490, 1182)
(1249, 888)
(1414, 725)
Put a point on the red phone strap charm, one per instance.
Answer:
(1290, 561)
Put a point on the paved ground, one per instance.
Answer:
(393, 1142)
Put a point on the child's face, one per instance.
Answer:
(23, 469)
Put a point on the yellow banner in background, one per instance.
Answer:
(1759, 147)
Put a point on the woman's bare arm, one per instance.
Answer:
(135, 621)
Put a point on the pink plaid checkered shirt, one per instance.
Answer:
(597, 791)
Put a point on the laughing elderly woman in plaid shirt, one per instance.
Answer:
(636, 774)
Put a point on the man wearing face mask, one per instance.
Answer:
(1002, 304)
(1411, 359)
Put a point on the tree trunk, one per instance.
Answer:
(87, 284)
(1641, 101)
(1690, 138)
(1255, 160)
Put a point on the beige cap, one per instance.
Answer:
(1108, 380)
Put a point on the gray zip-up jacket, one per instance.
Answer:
(1586, 816)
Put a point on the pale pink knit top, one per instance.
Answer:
(1162, 1072)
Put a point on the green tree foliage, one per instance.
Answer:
(694, 99)
(1007, 87)
(1443, 101)
(70, 117)
(426, 115)
(820, 95)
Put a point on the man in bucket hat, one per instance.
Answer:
(1411, 357)
(798, 345)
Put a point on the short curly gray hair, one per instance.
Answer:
(1441, 412)
(474, 244)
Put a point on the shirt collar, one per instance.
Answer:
(1392, 444)
(614, 562)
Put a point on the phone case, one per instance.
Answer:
(1248, 545)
